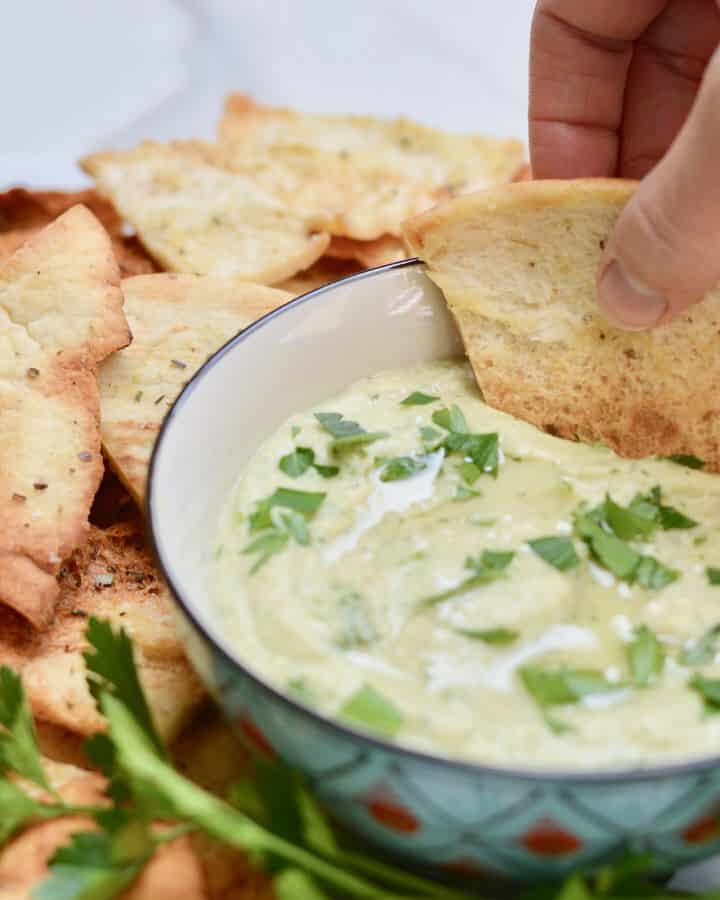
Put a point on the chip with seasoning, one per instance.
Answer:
(61, 315)
(177, 323)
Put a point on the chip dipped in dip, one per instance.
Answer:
(418, 565)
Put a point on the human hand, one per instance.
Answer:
(631, 88)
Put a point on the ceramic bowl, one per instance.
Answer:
(426, 809)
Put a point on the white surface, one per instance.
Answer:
(81, 75)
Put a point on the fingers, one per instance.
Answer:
(579, 59)
(665, 73)
(664, 254)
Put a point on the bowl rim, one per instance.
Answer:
(365, 739)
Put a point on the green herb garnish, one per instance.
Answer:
(713, 575)
(685, 459)
(451, 419)
(558, 552)
(417, 398)
(486, 568)
(369, 708)
(654, 575)
(559, 687)
(266, 546)
(646, 657)
(499, 636)
(703, 650)
(429, 434)
(709, 690)
(463, 492)
(469, 472)
(402, 467)
(300, 460)
(306, 503)
(346, 434)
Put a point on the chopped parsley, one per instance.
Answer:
(646, 657)
(346, 433)
(486, 568)
(463, 492)
(281, 516)
(703, 650)
(498, 636)
(402, 467)
(469, 472)
(429, 434)
(709, 690)
(417, 398)
(713, 575)
(558, 552)
(451, 419)
(559, 687)
(306, 503)
(265, 546)
(686, 459)
(369, 708)
(300, 460)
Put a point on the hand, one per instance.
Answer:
(631, 88)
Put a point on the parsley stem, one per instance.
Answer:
(175, 832)
(397, 877)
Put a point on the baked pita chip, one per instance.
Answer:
(194, 216)
(517, 266)
(23, 213)
(173, 873)
(325, 271)
(177, 321)
(111, 577)
(380, 252)
(60, 315)
(357, 176)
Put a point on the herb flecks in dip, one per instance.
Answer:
(417, 564)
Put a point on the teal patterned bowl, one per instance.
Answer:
(459, 817)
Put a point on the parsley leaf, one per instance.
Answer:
(635, 521)
(713, 575)
(451, 419)
(369, 708)
(559, 687)
(486, 568)
(327, 471)
(417, 398)
(646, 656)
(402, 467)
(17, 808)
(465, 493)
(702, 650)
(111, 672)
(294, 884)
(484, 451)
(429, 434)
(267, 545)
(709, 690)
(346, 433)
(558, 552)
(469, 472)
(654, 575)
(499, 636)
(685, 459)
(19, 750)
(298, 462)
(307, 503)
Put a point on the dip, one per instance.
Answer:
(420, 566)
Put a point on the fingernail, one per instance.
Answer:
(626, 303)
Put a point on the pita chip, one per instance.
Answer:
(193, 216)
(325, 271)
(518, 266)
(380, 252)
(60, 315)
(23, 213)
(177, 321)
(357, 176)
(111, 577)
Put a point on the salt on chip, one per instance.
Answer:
(358, 176)
(177, 321)
(111, 577)
(196, 217)
(60, 315)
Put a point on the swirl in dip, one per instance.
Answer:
(421, 566)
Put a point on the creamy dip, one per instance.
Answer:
(419, 565)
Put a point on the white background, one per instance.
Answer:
(82, 75)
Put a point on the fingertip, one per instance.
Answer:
(625, 302)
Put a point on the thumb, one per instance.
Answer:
(664, 253)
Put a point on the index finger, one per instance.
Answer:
(579, 59)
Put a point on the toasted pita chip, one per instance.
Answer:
(195, 217)
(518, 267)
(60, 315)
(357, 176)
(177, 321)
(23, 213)
(383, 250)
(325, 271)
(112, 577)
(174, 872)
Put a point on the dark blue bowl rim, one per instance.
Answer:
(461, 766)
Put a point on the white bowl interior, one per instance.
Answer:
(309, 351)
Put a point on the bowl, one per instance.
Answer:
(453, 815)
